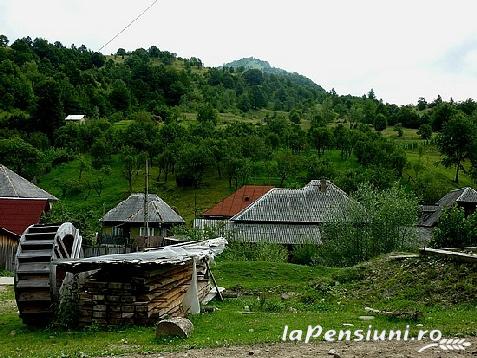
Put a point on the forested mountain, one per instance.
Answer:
(252, 63)
(245, 122)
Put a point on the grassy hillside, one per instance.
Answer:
(191, 202)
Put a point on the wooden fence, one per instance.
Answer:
(8, 249)
(93, 251)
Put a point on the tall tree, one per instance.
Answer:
(49, 110)
(457, 142)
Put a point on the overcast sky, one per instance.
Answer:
(403, 49)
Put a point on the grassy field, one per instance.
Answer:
(443, 292)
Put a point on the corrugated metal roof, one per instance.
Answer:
(15, 186)
(311, 204)
(75, 117)
(131, 210)
(17, 214)
(178, 254)
(238, 201)
(275, 233)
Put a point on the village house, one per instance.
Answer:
(217, 217)
(21, 204)
(465, 198)
(126, 220)
(76, 118)
(290, 216)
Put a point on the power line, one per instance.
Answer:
(129, 25)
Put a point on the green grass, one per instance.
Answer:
(318, 295)
(408, 134)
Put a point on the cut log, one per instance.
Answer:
(174, 327)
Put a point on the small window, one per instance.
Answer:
(117, 231)
(142, 231)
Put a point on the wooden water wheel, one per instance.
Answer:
(37, 280)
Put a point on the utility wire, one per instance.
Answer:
(129, 25)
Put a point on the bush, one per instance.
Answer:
(375, 223)
(306, 254)
(455, 230)
(246, 251)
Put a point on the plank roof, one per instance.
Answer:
(13, 185)
(131, 210)
(237, 201)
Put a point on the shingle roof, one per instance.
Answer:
(238, 201)
(132, 210)
(468, 195)
(431, 213)
(276, 233)
(312, 204)
(14, 186)
(17, 214)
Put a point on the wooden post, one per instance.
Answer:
(214, 281)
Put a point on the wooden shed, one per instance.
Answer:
(143, 287)
(8, 247)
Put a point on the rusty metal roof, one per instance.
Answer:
(238, 201)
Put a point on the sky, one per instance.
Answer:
(402, 49)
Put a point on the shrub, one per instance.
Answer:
(306, 254)
(375, 223)
(455, 230)
(246, 251)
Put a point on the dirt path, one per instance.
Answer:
(324, 349)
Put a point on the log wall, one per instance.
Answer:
(8, 249)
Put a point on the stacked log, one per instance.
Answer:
(140, 296)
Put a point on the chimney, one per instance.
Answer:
(323, 185)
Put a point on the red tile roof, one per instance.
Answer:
(17, 214)
(238, 201)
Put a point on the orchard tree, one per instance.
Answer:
(207, 114)
(120, 96)
(425, 131)
(456, 142)
(380, 122)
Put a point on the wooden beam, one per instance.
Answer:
(456, 256)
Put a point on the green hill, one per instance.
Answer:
(251, 63)
(205, 130)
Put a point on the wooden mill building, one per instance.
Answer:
(21, 204)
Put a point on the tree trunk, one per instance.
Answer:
(457, 174)
(174, 327)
